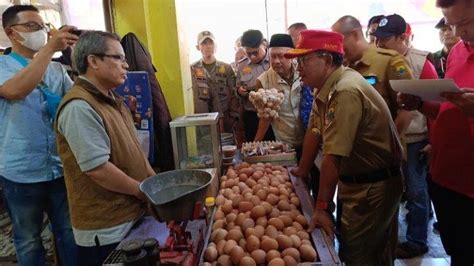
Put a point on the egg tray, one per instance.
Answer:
(326, 254)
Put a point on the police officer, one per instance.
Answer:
(361, 152)
(249, 69)
(213, 83)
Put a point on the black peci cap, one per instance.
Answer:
(392, 25)
(281, 40)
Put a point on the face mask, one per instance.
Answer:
(34, 40)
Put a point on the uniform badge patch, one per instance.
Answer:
(330, 114)
(401, 70)
(383, 22)
(199, 72)
(247, 70)
(221, 69)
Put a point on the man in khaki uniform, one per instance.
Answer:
(213, 83)
(361, 152)
(249, 69)
(377, 65)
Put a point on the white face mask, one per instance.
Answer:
(34, 40)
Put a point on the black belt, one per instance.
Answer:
(373, 177)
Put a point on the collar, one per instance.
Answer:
(366, 56)
(113, 99)
(328, 86)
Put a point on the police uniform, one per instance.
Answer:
(354, 123)
(378, 66)
(212, 90)
(247, 74)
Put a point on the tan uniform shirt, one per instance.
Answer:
(355, 123)
(212, 90)
(247, 74)
(287, 127)
(379, 66)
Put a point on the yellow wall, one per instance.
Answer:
(155, 24)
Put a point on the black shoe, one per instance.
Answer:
(407, 250)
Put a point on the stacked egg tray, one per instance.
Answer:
(261, 218)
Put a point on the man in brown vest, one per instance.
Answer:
(98, 145)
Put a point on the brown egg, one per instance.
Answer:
(255, 200)
(269, 244)
(295, 201)
(220, 246)
(206, 264)
(251, 183)
(220, 200)
(218, 224)
(268, 207)
(240, 218)
(229, 245)
(297, 226)
(296, 241)
(262, 194)
(242, 243)
(247, 171)
(275, 213)
(249, 232)
(290, 231)
(243, 165)
(243, 177)
(301, 220)
(259, 231)
(308, 253)
(247, 223)
(234, 234)
(277, 223)
(236, 254)
(283, 205)
(257, 174)
(230, 217)
(257, 211)
(247, 261)
(210, 254)
(286, 219)
(245, 206)
(262, 221)
(219, 214)
(272, 254)
(227, 207)
(306, 242)
(272, 199)
(224, 260)
(230, 226)
(259, 256)
(218, 235)
(303, 235)
(271, 231)
(289, 261)
(284, 241)
(253, 243)
(236, 201)
(275, 191)
(277, 262)
(293, 252)
(236, 190)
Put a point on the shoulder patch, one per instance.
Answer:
(221, 69)
(247, 70)
(199, 72)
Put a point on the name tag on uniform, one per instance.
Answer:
(372, 80)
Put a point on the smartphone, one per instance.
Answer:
(76, 32)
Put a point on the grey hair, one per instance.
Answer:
(90, 43)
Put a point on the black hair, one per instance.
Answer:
(9, 16)
(337, 58)
(252, 39)
(375, 19)
(298, 25)
(449, 3)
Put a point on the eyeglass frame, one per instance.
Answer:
(36, 26)
(301, 59)
(120, 57)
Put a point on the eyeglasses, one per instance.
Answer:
(303, 59)
(33, 26)
(252, 53)
(119, 57)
